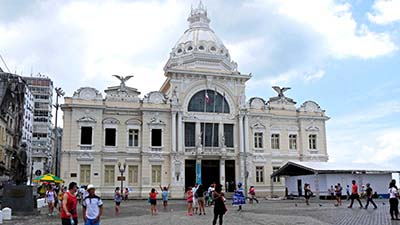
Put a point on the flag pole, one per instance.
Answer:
(213, 123)
(204, 124)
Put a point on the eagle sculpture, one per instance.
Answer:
(280, 91)
(123, 80)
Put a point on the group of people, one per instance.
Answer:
(367, 193)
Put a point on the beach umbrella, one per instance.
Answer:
(49, 178)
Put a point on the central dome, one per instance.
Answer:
(199, 47)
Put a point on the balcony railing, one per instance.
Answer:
(156, 149)
(85, 147)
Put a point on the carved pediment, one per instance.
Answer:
(155, 97)
(85, 156)
(312, 127)
(258, 126)
(87, 119)
(259, 158)
(310, 106)
(110, 121)
(257, 103)
(155, 120)
(87, 93)
(133, 122)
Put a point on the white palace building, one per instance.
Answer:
(198, 127)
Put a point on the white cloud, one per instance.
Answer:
(315, 76)
(378, 111)
(334, 22)
(385, 12)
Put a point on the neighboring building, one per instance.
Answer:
(13, 157)
(197, 128)
(55, 142)
(322, 175)
(42, 90)
(27, 129)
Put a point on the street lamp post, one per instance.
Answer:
(122, 170)
(59, 93)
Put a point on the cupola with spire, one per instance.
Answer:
(200, 48)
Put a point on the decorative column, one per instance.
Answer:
(246, 134)
(180, 133)
(222, 173)
(241, 141)
(173, 135)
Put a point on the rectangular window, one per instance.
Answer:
(133, 138)
(190, 134)
(156, 137)
(275, 141)
(209, 135)
(292, 141)
(276, 179)
(228, 133)
(312, 141)
(156, 175)
(110, 137)
(86, 135)
(259, 174)
(109, 175)
(133, 175)
(258, 140)
(84, 174)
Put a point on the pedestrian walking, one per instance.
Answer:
(50, 198)
(332, 192)
(338, 194)
(307, 193)
(61, 197)
(126, 194)
(165, 194)
(239, 198)
(348, 192)
(368, 193)
(189, 199)
(153, 201)
(393, 201)
(219, 205)
(209, 194)
(200, 199)
(69, 213)
(354, 195)
(252, 192)
(117, 200)
(195, 203)
(92, 207)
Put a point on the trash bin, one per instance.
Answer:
(7, 213)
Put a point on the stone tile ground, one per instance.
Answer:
(283, 212)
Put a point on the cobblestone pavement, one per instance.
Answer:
(283, 212)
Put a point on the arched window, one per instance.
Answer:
(208, 101)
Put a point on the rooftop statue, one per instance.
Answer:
(280, 91)
(123, 79)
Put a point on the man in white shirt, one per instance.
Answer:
(92, 207)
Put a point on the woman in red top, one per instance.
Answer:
(190, 201)
(153, 201)
(69, 204)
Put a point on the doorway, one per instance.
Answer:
(230, 175)
(210, 172)
(299, 187)
(190, 173)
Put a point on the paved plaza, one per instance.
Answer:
(282, 212)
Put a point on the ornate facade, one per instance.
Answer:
(198, 127)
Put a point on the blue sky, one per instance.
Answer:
(345, 55)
